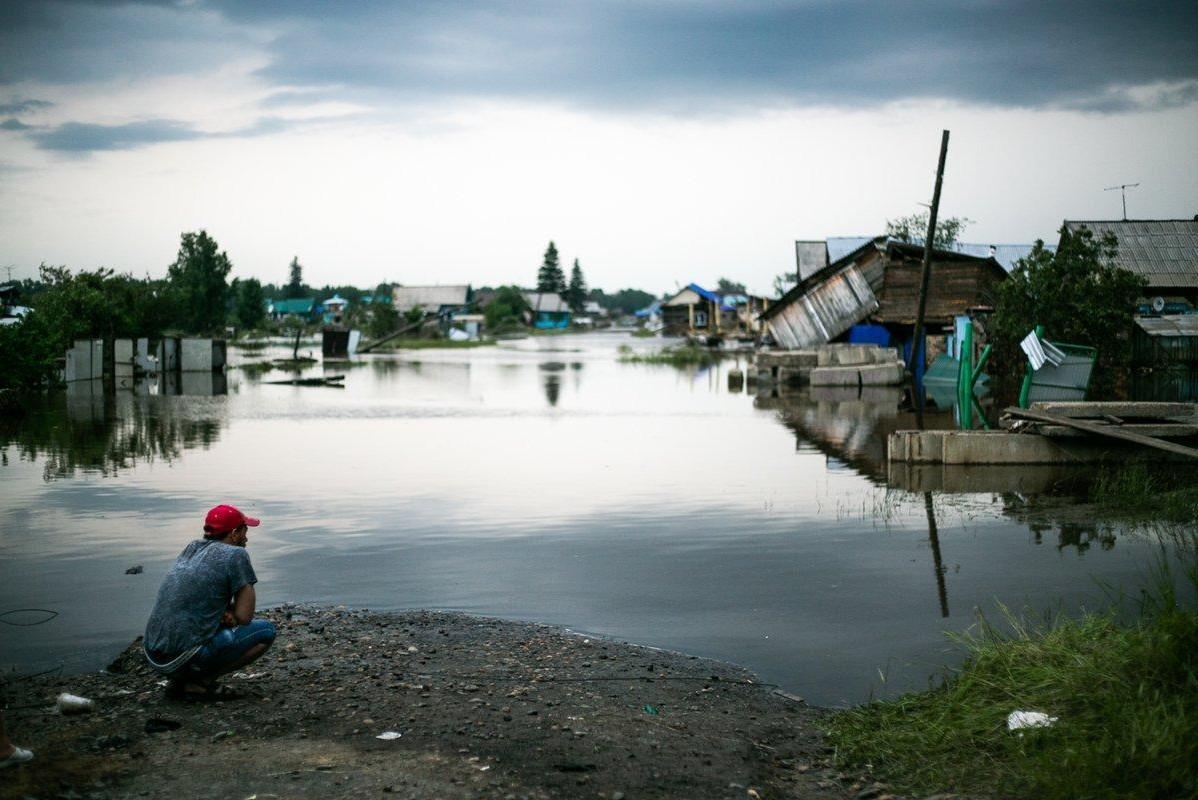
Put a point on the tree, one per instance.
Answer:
(295, 285)
(84, 305)
(550, 277)
(1078, 295)
(625, 301)
(576, 292)
(506, 309)
(383, 319)
(783, 282)
(198, 280)
(726, 286)
(914, 228)
(250, 304)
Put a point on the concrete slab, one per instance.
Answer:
(792, 359)
(882, 374)
(836, 376)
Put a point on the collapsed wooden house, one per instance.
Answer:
(877, 285)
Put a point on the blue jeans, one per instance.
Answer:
(229, 645)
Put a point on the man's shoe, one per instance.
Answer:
(17, 756)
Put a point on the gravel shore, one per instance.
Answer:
(484, 708)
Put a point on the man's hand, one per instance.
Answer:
(227, 620)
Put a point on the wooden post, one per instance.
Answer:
(917, 343)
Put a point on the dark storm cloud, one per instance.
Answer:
(673, 55)
(81, 137)
(14, 124)
(63, 41)
(24, 106)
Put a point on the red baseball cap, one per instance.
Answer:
(222, 519)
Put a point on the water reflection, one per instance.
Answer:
(85, 428)
(850, 424)
(553, 388)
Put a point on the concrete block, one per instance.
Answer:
(195, 355)
(926, 447)
(891, 374)
(793, 359)
(836, 376)
(168, 354)
(885, 355)
(793, 377)
(1000, 447)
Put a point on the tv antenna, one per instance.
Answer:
(1123, 187)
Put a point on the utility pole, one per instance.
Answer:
(917, 344)
(1123, 187)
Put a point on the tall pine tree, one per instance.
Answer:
(550, 277)
(295, 286)
(576, 292)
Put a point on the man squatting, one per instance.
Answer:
(203, 625)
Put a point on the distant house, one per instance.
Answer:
(877, 284)
(441, 300)
(1163, 251)
(10, 312)
(697, 310)
(593, 309)
(547, 310)
(303, 308)
(334, 309)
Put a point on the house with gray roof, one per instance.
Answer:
(1163, 251)
(431, 299)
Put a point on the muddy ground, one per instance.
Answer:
(485, 708)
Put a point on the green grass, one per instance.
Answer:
(429, 344)
(643, 333)
(680, 356)
(1135, 491)
(1126, 697)
(256, 367)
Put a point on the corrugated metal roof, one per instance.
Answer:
(551, 302)
(1165, 251)
(1169, 325)
(1005, 254)
(430, 298)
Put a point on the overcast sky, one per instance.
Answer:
(657, 142)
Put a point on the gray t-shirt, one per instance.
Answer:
(194, 595)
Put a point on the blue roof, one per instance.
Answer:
(711, 296)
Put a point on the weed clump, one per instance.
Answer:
(1126, 698)
(680, 356)
(1137, 491)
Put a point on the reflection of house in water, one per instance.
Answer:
(850, 424)
(1047, 517)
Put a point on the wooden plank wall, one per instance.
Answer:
(955, 287)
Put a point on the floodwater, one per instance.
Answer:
(544, 480)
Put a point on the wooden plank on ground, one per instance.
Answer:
(1110, 431)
